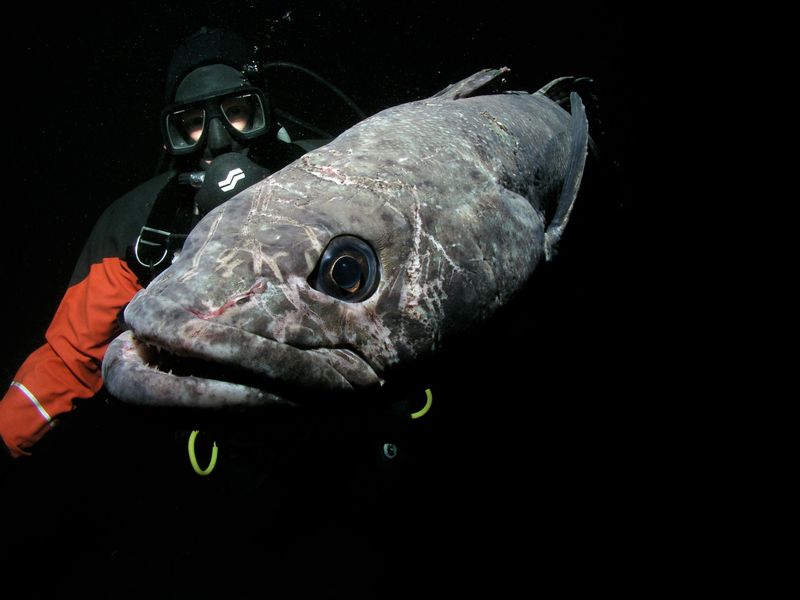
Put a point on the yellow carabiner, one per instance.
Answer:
(426, 408)
(193, 458)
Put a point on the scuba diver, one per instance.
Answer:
(120, 474)
(220, 136)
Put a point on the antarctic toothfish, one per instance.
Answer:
(366, 254)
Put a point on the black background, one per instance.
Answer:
(84, 88)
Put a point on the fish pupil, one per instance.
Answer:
(346, 273)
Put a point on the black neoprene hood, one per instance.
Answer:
(207, 47)
(209, 80)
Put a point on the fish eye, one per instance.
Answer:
(348, 270)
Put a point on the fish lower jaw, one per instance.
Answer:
(138, 373)
(147, 373)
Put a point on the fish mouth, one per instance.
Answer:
(140, 373)
(200, 374)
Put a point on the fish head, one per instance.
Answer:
(324, 278)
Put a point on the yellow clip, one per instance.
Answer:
(193, 458)
(426, 408)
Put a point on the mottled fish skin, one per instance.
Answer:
(453, 193)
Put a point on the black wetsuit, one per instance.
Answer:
(107, 275)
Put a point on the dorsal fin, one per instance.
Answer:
(467, 87)
(559, 90)
(579, 132)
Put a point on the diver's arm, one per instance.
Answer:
(67, 366)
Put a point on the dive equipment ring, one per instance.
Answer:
(428, 402)
(166, 235)
(193, 458)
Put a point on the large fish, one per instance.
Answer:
(362, 256)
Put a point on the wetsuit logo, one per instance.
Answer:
(234, 177)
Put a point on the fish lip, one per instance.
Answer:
(219, 379)
(178, 329)
(130, 377)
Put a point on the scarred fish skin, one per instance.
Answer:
(460, 196)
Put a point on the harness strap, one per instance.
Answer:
(171, 218)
